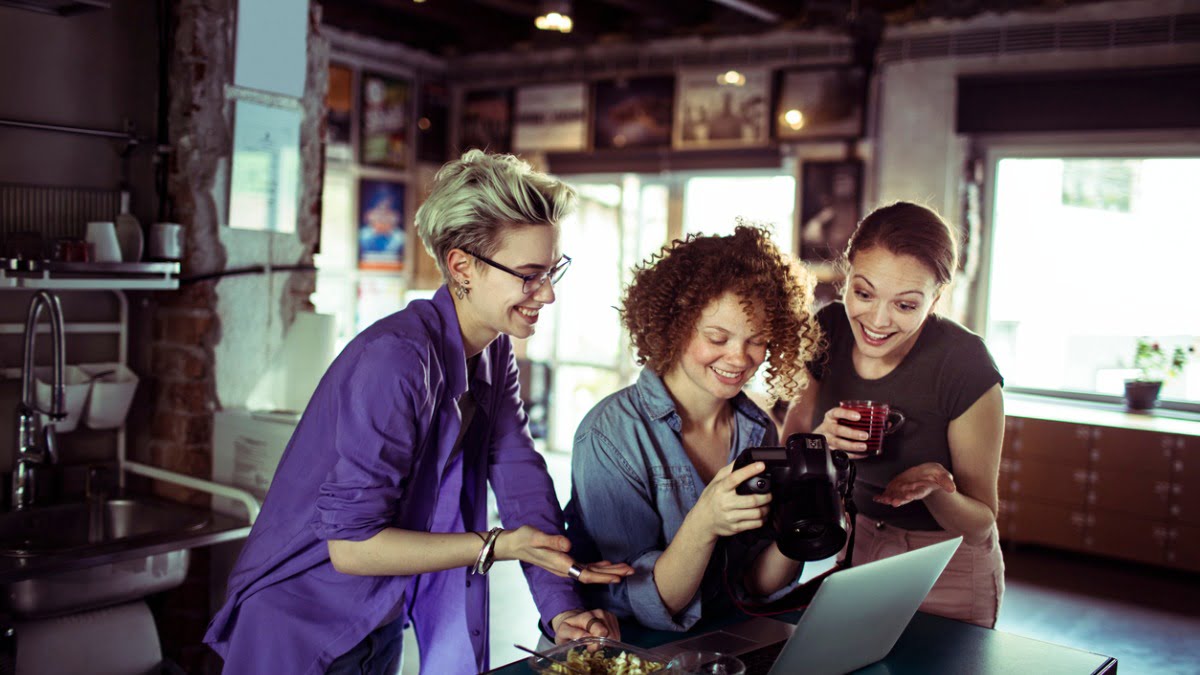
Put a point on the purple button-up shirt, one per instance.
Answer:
(374, 450)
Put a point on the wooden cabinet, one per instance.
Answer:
(1124, 493)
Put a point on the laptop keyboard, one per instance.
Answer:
(759, 661)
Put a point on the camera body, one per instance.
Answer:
(811, 489)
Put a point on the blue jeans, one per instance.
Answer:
(377, 654)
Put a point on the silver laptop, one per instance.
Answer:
(854, 620)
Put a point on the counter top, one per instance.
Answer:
(1099, 414)
(220, 528)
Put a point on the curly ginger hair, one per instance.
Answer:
(662, 305)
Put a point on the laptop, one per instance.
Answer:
(854, 620)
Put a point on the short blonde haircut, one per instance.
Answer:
(475, 198)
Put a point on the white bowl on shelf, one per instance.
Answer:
(112, 394)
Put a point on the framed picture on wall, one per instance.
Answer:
(433, 122)
(383, 128)
(551, 117)
(339, 113)
(830, 199)
(727, 108)
(817, 103)
(486, 121)
(381, 235)
(633, 112)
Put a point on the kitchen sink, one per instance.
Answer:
(92, 554)
(68, 528)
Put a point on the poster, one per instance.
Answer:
(820, 103)
(433, 122)
(551, 117)
(384, 126)
(339, 114)
(721, 109)
(830, 198)
(633, 112)
(486, 121)
(381, 235)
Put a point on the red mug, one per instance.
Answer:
(876, 418)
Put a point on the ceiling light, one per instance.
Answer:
(556, 15)
(794, 119)
(732, 77)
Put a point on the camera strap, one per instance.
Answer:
(800, 597)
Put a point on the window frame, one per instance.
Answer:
(997, 147)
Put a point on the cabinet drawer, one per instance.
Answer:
(1048, 482)
(1183, 547)
(1117, 450)
(1136, 494)
(1049, 524)
(1185, 502)
(1056, 442)
(1122, 536)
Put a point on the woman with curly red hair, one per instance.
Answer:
(652, 478)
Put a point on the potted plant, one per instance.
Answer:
(1156, 366)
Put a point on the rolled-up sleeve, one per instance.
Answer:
(524, 491)
(616, 507)
(375, 414)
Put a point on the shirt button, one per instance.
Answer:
(475, 632)
(468, 583)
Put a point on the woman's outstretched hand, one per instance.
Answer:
(916, 483)
(724, 511)
(549, 551)
(577, 623)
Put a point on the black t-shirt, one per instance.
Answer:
(943, 375)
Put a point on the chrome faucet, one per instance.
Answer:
(37, 443)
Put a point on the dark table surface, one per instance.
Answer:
(930, 645)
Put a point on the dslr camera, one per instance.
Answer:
(811, 494)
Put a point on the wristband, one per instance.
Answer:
(487, 553)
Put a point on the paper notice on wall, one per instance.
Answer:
(252, 465)
(264, 181)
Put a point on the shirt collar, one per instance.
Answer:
(454, 353)
(660, 405)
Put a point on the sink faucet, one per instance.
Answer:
(37, 443)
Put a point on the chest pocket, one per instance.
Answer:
(673, 479)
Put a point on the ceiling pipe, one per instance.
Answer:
(750, 9)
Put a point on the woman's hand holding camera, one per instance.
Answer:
(839, 436)
(724, 511)
(549, 551)
(916, 483)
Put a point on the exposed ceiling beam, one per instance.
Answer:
(511, 7)
(750, 9)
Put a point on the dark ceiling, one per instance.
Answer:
(457, 27)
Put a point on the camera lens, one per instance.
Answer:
(809, 529)
(760, 485)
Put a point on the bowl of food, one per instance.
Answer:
(597, 656)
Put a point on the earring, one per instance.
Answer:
(461, 291)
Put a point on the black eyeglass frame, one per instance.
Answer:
(557, 272)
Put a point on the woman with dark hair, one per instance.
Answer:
(377, 515)
(652, 478)
(936, 477)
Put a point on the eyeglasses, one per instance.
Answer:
(532, 282)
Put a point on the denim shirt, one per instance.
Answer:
(632, 486)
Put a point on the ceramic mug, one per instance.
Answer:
(102, 235)
(166, 241)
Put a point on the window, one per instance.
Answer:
(1088, 255)
(620, 222)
